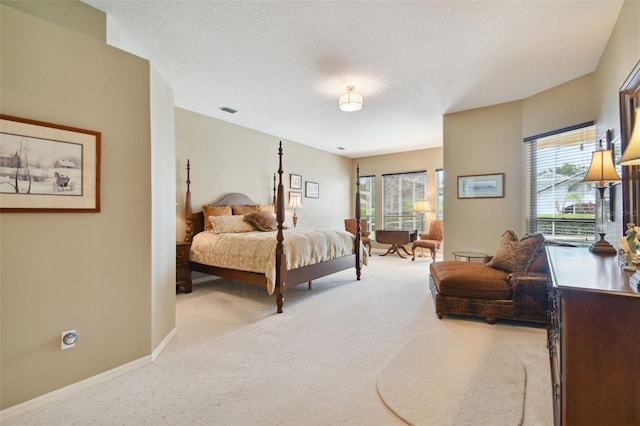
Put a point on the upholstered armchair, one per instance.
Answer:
(430, 240)
(350, 226)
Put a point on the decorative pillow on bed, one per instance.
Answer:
(242, 210)
(214, 211)
(230, 224)
(288, 219)
(267, 208)
(262, 221)
(515, 255)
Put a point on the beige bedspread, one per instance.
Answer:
(256, 251)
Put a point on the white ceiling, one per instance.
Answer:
(282, 64)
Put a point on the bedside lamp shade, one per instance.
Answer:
(295, 203)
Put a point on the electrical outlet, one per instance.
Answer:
(68, 339)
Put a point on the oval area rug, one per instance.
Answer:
(442, 379)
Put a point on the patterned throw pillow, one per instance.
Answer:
(515, 255)
(262, 221)
(214, 211)
(230, 224)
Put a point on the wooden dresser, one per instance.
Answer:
(594, 340)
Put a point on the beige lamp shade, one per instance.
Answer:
(631, 154)
(602, 168)
(422, 206)
(295, 203)
(351, 100)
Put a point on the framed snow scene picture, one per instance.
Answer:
(47, 167)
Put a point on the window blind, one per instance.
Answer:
(557, 203)
(400, 192)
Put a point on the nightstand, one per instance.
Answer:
(183, 274)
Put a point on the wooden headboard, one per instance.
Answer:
(232, 199)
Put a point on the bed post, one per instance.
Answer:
(187, 208)
(275, 200)
(358, 241)
(281, 259)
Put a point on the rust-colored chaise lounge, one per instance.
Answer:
(511, 285)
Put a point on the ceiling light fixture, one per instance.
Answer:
(350, 100)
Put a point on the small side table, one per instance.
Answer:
(397, 238)
(183, 274)
(469, 256)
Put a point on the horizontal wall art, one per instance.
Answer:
(47, 167)
(481, 186)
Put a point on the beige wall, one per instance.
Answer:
(477, 224)
(562, 106)
(409, 161)
(620, 57)
(482, 141)
(70, 14)
(229, 158)
(85, 271)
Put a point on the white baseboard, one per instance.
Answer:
(71, 389)
(74, 388)
(155, 354)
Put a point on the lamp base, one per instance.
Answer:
(603, 248)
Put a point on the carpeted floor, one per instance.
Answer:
(235, 362)
(474, 374)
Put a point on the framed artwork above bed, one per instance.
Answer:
(312, 189)
(295, 181)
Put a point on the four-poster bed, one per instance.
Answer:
(285, 267)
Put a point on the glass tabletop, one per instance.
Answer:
(469, 254)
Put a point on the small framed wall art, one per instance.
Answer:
(481, 186)
(295, 181)
(51, 167)
(312, 189)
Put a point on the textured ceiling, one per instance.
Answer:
(283, 64)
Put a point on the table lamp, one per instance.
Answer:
(295, 202)
(602, 170)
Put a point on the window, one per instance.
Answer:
(439, 193)
(557, 203)
(368, 202)
(400, 193)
